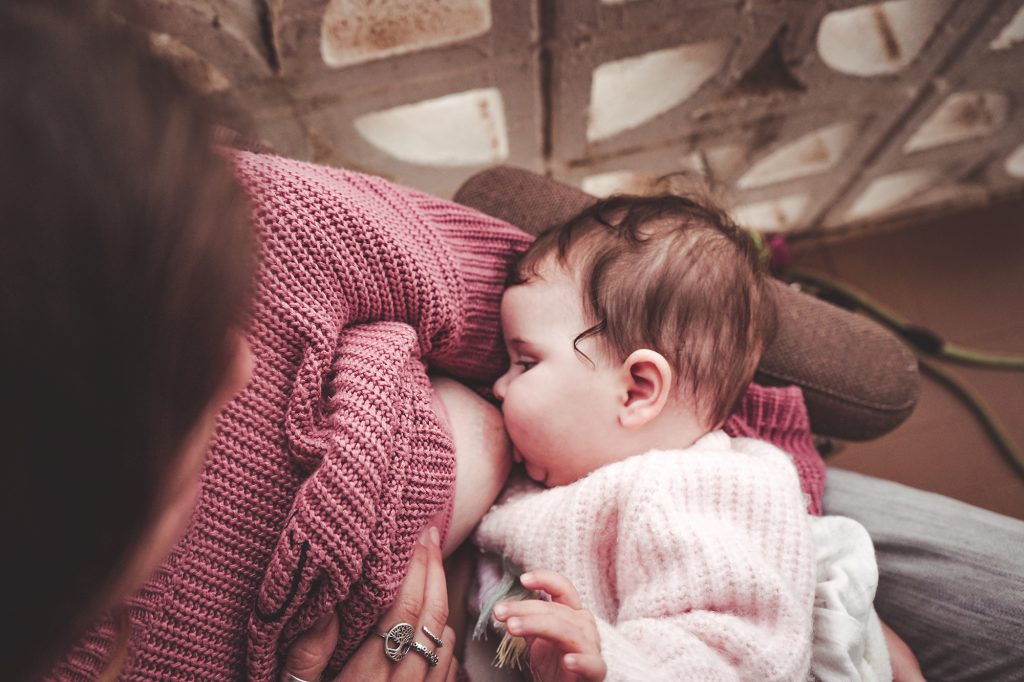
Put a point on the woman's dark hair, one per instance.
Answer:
(125, 260)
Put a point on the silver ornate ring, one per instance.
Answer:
(433, 638)
(425, 653)
(397, 641)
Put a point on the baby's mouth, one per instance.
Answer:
(540, 476)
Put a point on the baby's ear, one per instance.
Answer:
(648, 382)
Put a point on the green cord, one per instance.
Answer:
(970, 356)
(924, 343)
(979, 408)
(921, 339)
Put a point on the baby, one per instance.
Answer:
(670, 550)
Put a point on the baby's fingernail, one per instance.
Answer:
(570, 661)
(500, 611)
(425, 537)
(435, 536)
(513, 625)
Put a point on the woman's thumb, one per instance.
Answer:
(311, 651)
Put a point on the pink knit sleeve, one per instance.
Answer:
(385, 466)
(345, 248)
(362, 282)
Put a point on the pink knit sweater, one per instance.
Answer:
(698, 564)
(323, 470)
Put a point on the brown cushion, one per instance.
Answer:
(859, 381)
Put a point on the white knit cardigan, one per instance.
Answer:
(698, 564)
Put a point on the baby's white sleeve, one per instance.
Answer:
(849, 645)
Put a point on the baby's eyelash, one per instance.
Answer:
(525, 364)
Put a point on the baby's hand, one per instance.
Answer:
(562, 635)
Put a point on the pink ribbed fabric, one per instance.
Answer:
(325, 467)
(698, 564)
(779, 416)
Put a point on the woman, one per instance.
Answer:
(126, 262)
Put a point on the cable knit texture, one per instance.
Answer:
(323, 470)
(698, 564)
(779, 416)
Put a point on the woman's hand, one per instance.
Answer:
(562, 635)
(422, 601)
(311, 651)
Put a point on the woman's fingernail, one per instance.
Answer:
(514, 625)
(435, 536)
(526, 577)
(500, 611)
(321, 623)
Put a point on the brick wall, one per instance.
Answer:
(806, 114)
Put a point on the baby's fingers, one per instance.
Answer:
(568, 634)
(531, 607)
(590, 667)
(560, 588)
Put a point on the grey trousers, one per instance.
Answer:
(951, 576)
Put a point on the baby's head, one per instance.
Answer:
(636, 325)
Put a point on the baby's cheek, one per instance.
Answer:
(513, 423)
(527, 431)
(510, 421)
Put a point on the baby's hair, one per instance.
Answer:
(674, 274)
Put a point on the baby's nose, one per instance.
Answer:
(499, 387)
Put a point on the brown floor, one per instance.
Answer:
(963, 277)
